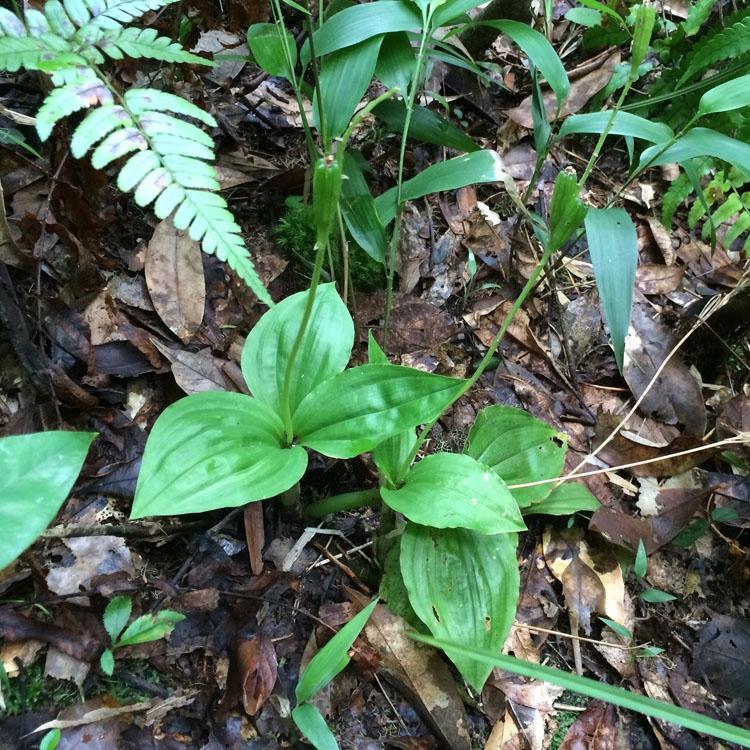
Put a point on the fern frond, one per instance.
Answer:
(697, 16)
(47, 52)
(677, 192)
(728, 43)
(10, 24)
(136, 43)
(85, 91)
(58, 20)
(140, 101)
(112, 14)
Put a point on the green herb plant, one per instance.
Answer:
(144, 629)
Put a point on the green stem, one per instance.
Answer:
(489, 354)
(345, 501)
(316, 82)
(410, 99)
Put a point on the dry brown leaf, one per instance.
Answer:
(590, 575)
(256, 662)
(195, 372)
(581, 91)
(663, 240)
(594, 729)
(175, 280)
(420, 675)
(652, 278)
(255, 536)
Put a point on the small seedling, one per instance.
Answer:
(143, 629)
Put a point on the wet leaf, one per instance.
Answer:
(256, 662)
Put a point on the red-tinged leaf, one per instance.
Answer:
(256, 662)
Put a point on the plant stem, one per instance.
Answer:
(345, 501)
(489, 354)
(409, 103)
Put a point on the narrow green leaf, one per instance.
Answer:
(116, 616)
(613, 246)
(566, 211)
(699, 142)
(107, 661)
(464, 587)
(38, 471)
(360, 214)
(147, 628)
(355, 410)
(359, 22)
(584, 16)
(477, 167)
(640, 566)
(565, 500)
(313, 726)
(621, 630)
(655, 596)
(624, 123)
(267, 48)
(733, 94)
(425, 126)
(344, 79)
(452, 490)
(519, 448)
(214, 450)
(645, 18)
(541, 53)
(598, 690)
(324, 352)
(333, 657)
(51, 740)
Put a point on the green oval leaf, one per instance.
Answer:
(354, 411)
(116, 616)
(214, 450)
(325, 348)
(38, 471)
(565, 500)
(655, 596)
(613, 246)
(519, 448)
(464, 588)
(452, 490)
(267, 48)
(333, 657)
(584, 16)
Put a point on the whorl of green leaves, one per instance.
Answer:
(169, 163)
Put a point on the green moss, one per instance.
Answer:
(295, 234)
(565, 719)
(34, 691)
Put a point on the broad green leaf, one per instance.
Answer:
(344, 79)
(360, 214)
(425, 126)
(313, 726)
(477, 167)
(395, 62)
(624, 123)
(519, 448)
(150, 627)
(584, 16)
(214, 450)
(464, 587)
(566, 211)
(453, 11)
(655, 596)
(359, 22)
(452, 490)
(38, 471)
(540, 52)
(613, 246)
(352, 412)
(565, 500)
(267, 48)
(598, 690)
(324, 351)
(107, 661)
(727, 96)
(333, 657)
(116, 616)
(699, 142)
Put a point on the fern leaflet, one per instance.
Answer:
(730, 42)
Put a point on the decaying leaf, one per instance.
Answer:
(256, 662)
(174, 275)
(594, 729)
(195, 372)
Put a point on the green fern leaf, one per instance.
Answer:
(85, 92)
(729, 43)
(697, 16)
(152, 185)
(96, 125)
(140, 101)
(739, 227)
(47, 52)
(728, 209)
(677, 192)
(11, 24)
(111, 14)
(136, 43)
(136, 166)
(173, 145)
(36, 22)
(192, 173)
(154, 123)
(58, 19)
(117, 144)
(169, 200)
(77, 12)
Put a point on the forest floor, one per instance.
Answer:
(122, 334)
